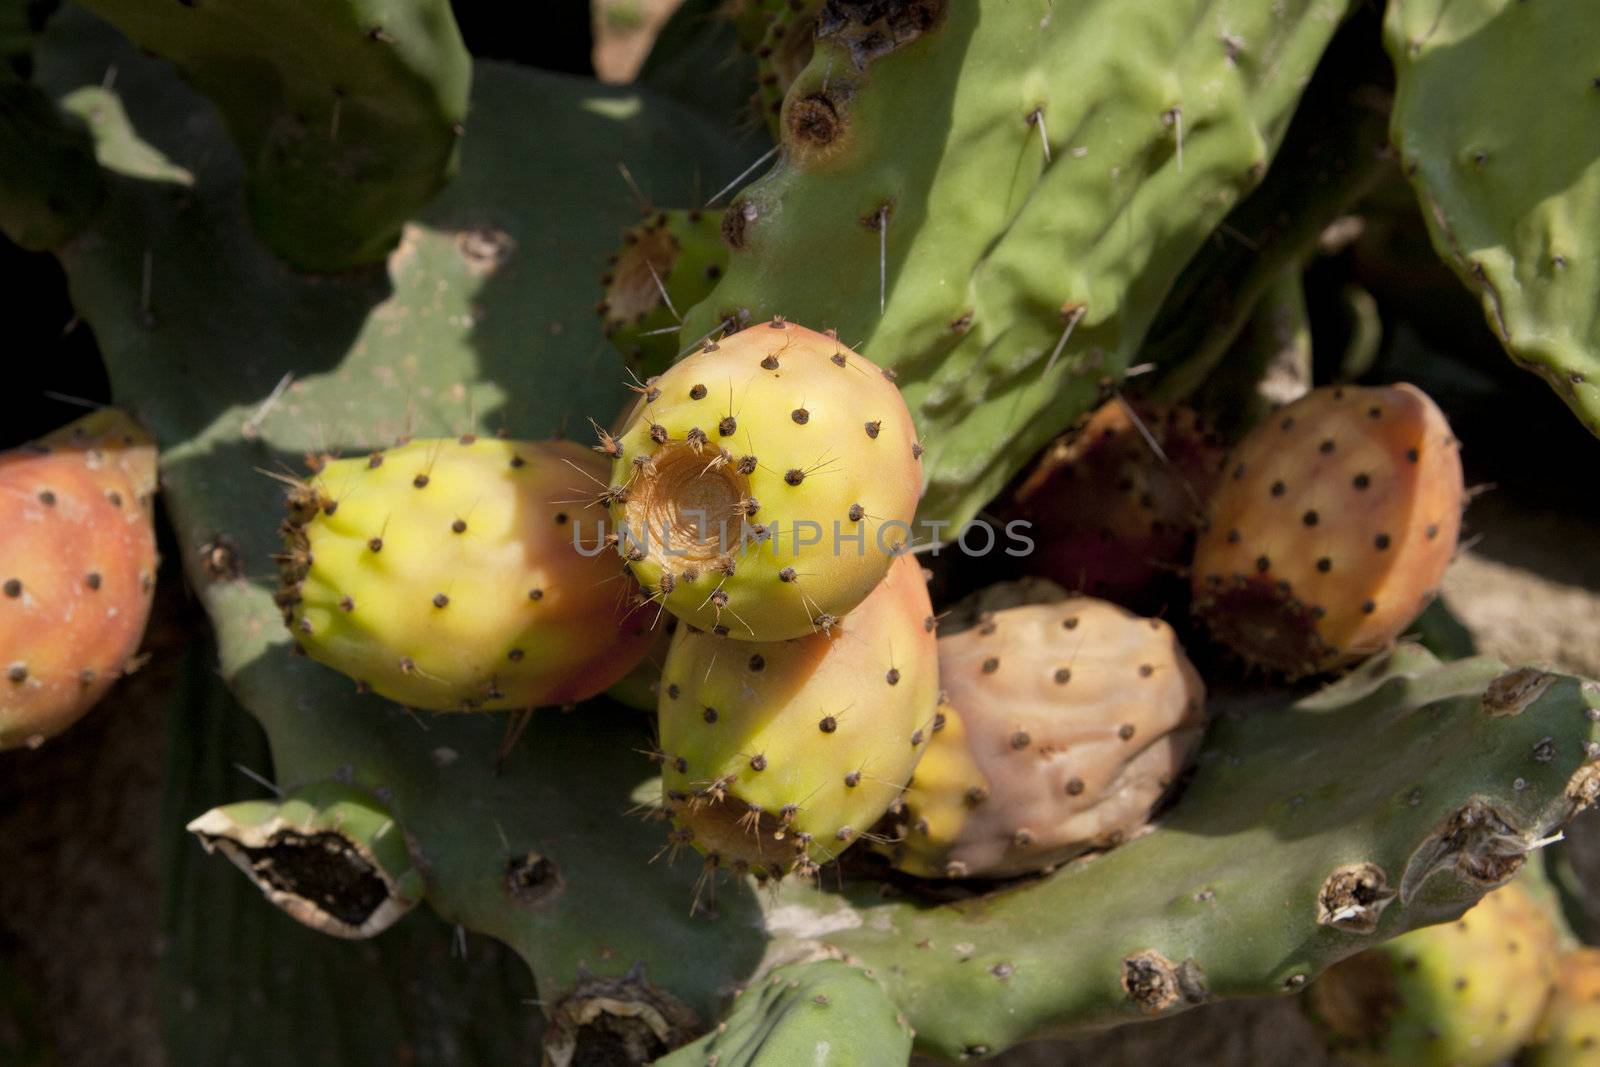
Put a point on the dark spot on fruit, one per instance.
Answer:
(459, 526)
(1324, 564)
(1361, 481)
(561, 518)
(92, 580)
(838, 359)
(758, 762)
(892, 676)
(1063, 675)
(991, 664)
(727, 426)
(18, 673)
(786, 575)
(1374, 412)
(1020, 739)
(1412, 455)
(536, 594)
(440, 600)
(515, 655)
(697, 392)
(1432, 531)
(873, 428)
(347, 603)
(1074, 786)
(1263, 564)
(420, 481)
(1309, 518)
(1125, 731)
(1381, 542)
(794, 476)
(518, 461)
(852, 779)
(673, 690)
(746, 465)
(1277, 488)
(1368, 607)
(47, 498)
(375, 544)
(709, 714)
(13, 587)
(856, 512)
(916, 450)
(1326, 446)
(1146, 670)
(1233, 537)
(800, 415)
(1069, 623)
(770, 362)
(757, 661)
(828, 724)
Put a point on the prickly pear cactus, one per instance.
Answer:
(666, 265)
(77, 570)
(1463, 994)
(1078, 717)
(450, 574)
(783, 754)
(50, 185)
(826, 1013)
(763, 484)
(1009, 265)
(346, 113)
(1510, 180)
(1331, 528)
(482, 319)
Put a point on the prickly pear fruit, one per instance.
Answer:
(1071, 721)
(1331, 528)
(449, 574)
(1462, 994)
(1112, 514)
(778, 755)
(330, 855)
(1569, 1035)
(764, 483)
(77, 570)
(666, 265)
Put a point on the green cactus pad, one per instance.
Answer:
(50, 185)
(1497, 119)
(1024, 248)
(825, 1013)
(346, 112)
(666, 265)
(484, 321)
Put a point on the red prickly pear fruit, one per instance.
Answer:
(1331, 529)
(77, 570)
(1110, 515)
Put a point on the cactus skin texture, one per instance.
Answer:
(780, 754)
(346, 113)
(825, 1013)
(1507, 178)
(1467, 993)
(330, 855)
(1019, 257)
(1077, 716)
(1110, 516)
(730, 455)
(447, 574)
(1331, 529)
(781, 54)
(679, 252)
(77, 570)
(1569, 1034)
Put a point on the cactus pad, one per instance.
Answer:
(346, 113)
(666, 265)
(1510, 179)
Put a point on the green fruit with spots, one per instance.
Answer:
(666, 265)
(778, 755)
(763, 484)
(1467, 993)
(1072, 718)
(1331, 528)
(454, 575)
